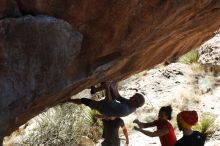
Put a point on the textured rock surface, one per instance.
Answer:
(210, 55)
(35, 54)
(120, 38)
(9, 8)
(210, 51)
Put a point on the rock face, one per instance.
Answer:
(35, 54)
(9, 8)
(210, 55)
(210, 51)
(42, 60)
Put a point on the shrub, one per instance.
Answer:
(62, 125)
(206, 125)
(190, 57)
(91, 119)
(95, 130)
(57, 126)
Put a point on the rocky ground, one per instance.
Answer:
(185, 87)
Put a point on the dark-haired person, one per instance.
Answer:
(111, 131)
(185, 120)
(117, 106)
(164, 130)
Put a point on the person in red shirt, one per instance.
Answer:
(164, 130)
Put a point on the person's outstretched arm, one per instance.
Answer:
(96, 89)
(115, 93)
(104, 86)
(159, 132)
(144, 125)
(108, 91)
(114, 90)
(125, 131)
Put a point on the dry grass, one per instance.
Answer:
(197, 68)
(185, 101)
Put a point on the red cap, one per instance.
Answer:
(189, 117)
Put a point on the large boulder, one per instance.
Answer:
(209, 54)
(35, 53)
(9, 8)
(42, 61)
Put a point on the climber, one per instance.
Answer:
(164, 130)
(185, 121)
(111, 129)
(113, 106)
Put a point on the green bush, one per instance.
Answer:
(190, 57)
(206, 125)
(91, 117)
(63, 125)
(95, 130)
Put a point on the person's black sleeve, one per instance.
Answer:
(202, 142)
(180, 142)
(177, 144)
(122, 99)
(86, 101)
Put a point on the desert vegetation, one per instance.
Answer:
(63, 125)
(206, 125)
(190, 57)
